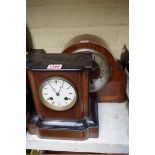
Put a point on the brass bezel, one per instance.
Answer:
(57, 108)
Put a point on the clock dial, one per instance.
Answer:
(58, 94)
(101, 70)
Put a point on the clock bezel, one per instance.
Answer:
(52, 107)
(88, 50)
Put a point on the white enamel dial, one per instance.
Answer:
(105, 72)
(98, 82)
(58, 94)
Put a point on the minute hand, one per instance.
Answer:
(52, 88)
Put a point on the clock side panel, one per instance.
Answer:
(77, 78)
(85, 88)
(115, 88)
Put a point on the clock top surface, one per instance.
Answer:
(39, 60)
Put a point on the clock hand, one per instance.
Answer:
(52, 88)
(61, 87)
(57, 93)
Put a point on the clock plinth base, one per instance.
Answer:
(66, 129)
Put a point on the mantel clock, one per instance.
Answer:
(60, 89)
(107, 80)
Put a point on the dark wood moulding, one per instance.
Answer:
(79, 129)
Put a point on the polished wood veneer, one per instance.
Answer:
(115, 89)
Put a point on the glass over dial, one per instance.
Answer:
(101, 70)
(58, 94)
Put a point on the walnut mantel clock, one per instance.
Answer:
(60, 89)
(107, 81)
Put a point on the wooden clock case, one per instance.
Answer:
(29, 99)
(115, 89)
(81, 121)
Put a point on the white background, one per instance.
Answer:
(13, 87)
